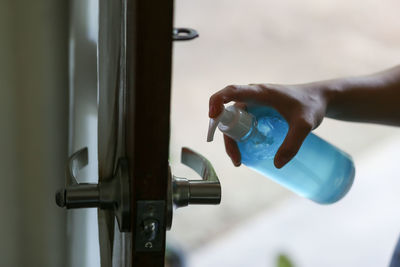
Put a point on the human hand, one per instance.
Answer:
(303, 107)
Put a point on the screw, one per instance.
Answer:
(148, 245)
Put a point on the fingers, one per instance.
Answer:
(241, 105)
(237, 93)
(232, 150)
(292, 143)
(217, 101)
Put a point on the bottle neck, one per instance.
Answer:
(253, 132)
(235, 122)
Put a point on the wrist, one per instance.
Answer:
(332, 91)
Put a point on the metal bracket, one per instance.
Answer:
(184, 34)
(111, 194)
(149, 222)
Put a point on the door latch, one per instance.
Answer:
(111, 194)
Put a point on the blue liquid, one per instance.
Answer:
(319, 171)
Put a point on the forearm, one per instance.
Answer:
(374, 98)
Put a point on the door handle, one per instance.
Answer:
(183, 192)
(111, 194)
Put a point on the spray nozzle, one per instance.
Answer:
(225, 117)
(233, 121)
(211, 129)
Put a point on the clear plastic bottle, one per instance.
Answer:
(319, 171)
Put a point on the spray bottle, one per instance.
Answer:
(319, 171)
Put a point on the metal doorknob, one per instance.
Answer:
(183, 192)
(112, 194)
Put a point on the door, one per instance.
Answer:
(136, 191)
(134, 70)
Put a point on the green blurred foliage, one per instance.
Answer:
(283, 261)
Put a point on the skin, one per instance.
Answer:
(373, 99)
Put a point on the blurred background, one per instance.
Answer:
(287, 41)
(240, 42)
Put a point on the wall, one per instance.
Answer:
(33, 133)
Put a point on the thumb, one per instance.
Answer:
(292, 143)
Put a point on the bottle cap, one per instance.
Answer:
(233, 122)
